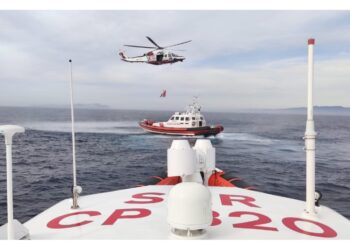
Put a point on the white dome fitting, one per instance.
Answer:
(205, 155)
(181, 159)
(189, 209)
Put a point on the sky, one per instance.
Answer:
(236, 60)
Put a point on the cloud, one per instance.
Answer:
(237, 59)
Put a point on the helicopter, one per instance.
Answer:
(158, 56)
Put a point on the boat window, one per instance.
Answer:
(187, 118)
(182, 118)
(201, 118)
(193, 118)
(172, 118)
(177, 118)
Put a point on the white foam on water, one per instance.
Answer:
(132, 128)
(245, 137)
(117, 127)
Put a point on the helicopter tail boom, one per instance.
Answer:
(136, 59)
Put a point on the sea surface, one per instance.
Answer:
(265, 150)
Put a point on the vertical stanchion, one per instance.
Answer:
(9, 131)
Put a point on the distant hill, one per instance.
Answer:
(320, 109)
(326, 110)
(78, 106)
(91, 106)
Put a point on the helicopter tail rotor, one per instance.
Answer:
(122, 55)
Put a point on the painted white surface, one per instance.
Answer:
(155, 225)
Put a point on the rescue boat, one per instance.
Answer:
(188, 123)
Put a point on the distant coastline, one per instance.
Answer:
(91, 106)
(318, 110)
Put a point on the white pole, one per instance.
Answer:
(10, 231)
(74, 191)
(9, 131)
(310, 136)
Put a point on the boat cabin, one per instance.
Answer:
(187, 120)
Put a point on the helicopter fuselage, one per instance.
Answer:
(155, 57)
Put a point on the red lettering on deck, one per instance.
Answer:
(327, 232)
(254, 224)
(146, 198)
(127, 213)
(56, 223)
(227, 200)
(216, 221)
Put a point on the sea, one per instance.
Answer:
(265, 150)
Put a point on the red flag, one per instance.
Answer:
(163, 94)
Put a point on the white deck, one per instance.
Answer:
(155, 226)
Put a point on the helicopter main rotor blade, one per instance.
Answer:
(136, 46)
(150, 39)
(178, 44)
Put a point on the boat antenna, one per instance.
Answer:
(76, 190)
(310, 135)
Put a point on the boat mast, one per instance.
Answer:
(310, 135)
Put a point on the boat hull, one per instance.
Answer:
(205, 131)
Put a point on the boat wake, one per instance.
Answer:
(132, 128)
(115, 127)
(245, 137)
